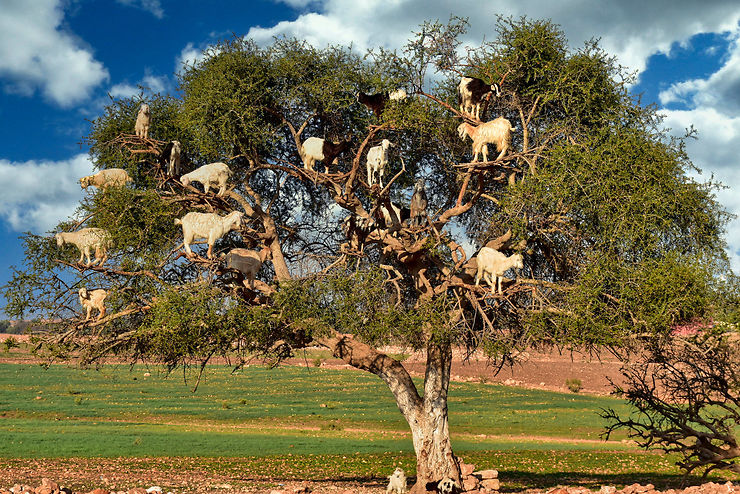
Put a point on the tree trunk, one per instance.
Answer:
(434, 457)
(427, 416)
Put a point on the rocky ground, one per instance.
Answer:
(47, 486)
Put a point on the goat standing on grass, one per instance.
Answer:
(316, 149)
(87, 239)
(397, 482)
(494, 263)
(377, 160)
(93, 299)
(216, 174)
(418, 203)
(471, 93)
(143, 120)
(497, 132)
(209, 226)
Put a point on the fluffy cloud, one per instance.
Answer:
(154, 7)
(43, 192)
(35, 53)
(711, 107)
(153, 84)
(720, 91)
(630, 29)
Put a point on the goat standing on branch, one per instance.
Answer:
(216, 174)
(93, 299)
(377, 160)
(418, 203)
(376, 102)
(143, 120)
(170, 158)
(472, 92)
(497, 132)
(247, 262)
(111, 177)
(209, 226)
(316, 149)
(87, 239)
(494, 263)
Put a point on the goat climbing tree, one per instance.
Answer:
(616, 239)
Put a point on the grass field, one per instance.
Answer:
(306, 422)
(61, 411)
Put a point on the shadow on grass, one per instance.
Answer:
(516, 481)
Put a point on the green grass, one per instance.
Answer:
(63, 412)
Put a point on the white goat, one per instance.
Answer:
(143, 119)
(213, 173)
(173, 164)
(399, 94)
(377, 159)
(247, 262)
(497, 131)
(209, 226)
(494, 263)
(397, 482)
(93, 299)
(110, 177)
(85, 240)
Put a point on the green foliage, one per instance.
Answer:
(119, 119)
(573, 384)
(618, 237)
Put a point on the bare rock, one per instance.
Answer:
(579, 490)
(607, 489)
(137, 490)
(466, 469)
(470, 484)
(558, 490)
(98, 491)
(486, 474)
(490, 484)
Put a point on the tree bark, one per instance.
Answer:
(434, 457)
(427, 417)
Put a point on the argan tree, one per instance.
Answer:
(617, 240)
(685, 399)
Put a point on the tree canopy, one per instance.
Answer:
(618, 239)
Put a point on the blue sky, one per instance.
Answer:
(60, 59)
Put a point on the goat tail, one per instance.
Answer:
(178, 221)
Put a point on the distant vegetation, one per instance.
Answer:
(14, 327)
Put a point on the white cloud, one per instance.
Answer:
(123, 90)
(43, 193)
(35, 53)
(630, 29)
(720, 91)
(191, 55)
(154, 7)
(154, 84)
(716, 152)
